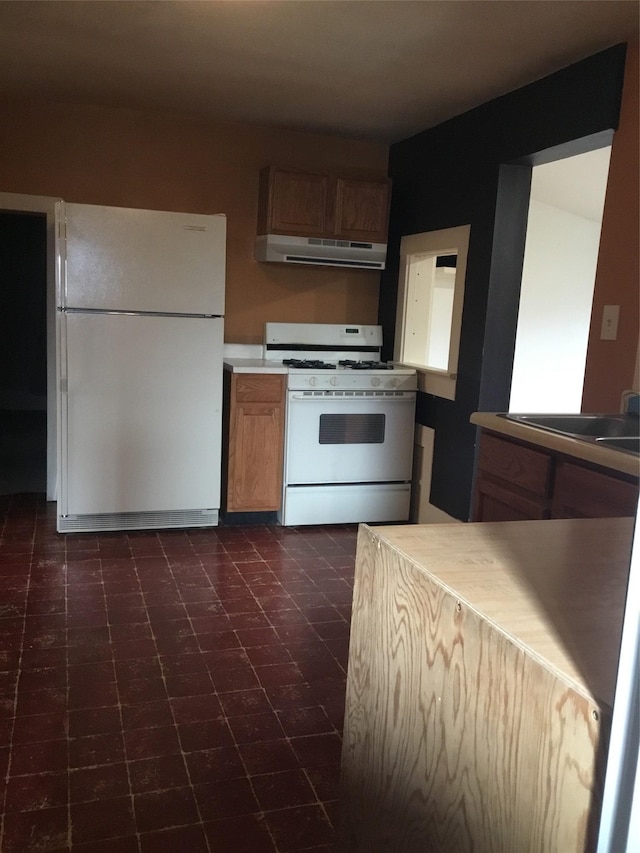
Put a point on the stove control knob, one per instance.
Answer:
(394, 383)
(334, 380)
(375, 381)
(313, 380)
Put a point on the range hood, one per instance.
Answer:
(319, 251)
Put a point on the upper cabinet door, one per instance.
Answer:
(297, 203)
(362, 210)
(123, 259)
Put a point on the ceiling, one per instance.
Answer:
(375, 70)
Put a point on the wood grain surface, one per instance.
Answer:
(256, 442)
(463, 733)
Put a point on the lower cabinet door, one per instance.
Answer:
(580, 492)
(256, 442)
(497, 502)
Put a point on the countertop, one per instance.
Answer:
(556, 588)
(249, 358)
(615, 460)
(253, 365)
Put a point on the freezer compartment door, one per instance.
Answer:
(141, 415)
(122, 259)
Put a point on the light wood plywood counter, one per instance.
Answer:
(481, 675)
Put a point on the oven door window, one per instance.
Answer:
(352, 428)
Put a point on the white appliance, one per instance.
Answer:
(350, 422)
(139, 363)
(318, 251)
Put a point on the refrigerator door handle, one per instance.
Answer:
(102, 311)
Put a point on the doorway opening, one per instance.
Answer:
(23, 352)
(44, 208)
(558, 277)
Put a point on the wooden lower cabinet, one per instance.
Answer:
(255, 442)
(582, 493)
(495, 501)
(513, 482)
(516, 482)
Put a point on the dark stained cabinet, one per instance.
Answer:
(516, 481)
(513, 481)
(496, 501)
(306, 204)
(580, 492)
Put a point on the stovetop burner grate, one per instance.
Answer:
(365, 365)
(345, 364)
(308, 363)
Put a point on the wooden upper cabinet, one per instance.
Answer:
(305, 204)
(362, 210)
(293, 203)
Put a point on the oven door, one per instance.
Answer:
(349, 436)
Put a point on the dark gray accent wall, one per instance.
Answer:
(476, 170)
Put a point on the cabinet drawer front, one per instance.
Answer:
(521, 466)
(262, 388)
(580, 491)
(495, 502)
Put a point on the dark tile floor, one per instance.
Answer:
(170, 690)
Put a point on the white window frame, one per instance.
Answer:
(448, 241)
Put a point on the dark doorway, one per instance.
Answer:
(23, 353)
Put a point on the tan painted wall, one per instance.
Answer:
(108, 156)
(611, 364)
(97, 155)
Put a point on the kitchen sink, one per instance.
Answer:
(620, 432)
(629, 443)
(584, 426)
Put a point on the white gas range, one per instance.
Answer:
(349, 425)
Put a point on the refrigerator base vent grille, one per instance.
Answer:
(137, 520)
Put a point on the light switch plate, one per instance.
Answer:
(610, 317)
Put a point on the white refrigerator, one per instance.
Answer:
(139, 368)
